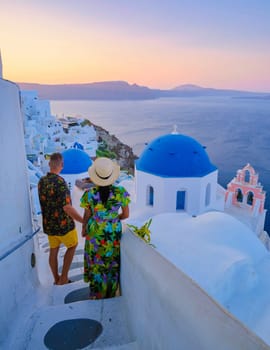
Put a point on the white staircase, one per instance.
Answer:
(47, 306)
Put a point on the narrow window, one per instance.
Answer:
(207, 195)
(180, 200)
(150, 196)
(250, 197)
(239, 195)
(247, 176)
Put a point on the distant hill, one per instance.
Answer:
(195, 90)
(121, 90)
(111, 90)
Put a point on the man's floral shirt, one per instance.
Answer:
(54, 194)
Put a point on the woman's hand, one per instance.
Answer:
(125, 213)
(84, 233)
(86, 217)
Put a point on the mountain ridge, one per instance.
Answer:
(122, 90)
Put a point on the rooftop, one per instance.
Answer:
(175, 155)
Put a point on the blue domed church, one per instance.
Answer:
(76, 164)
(174, 173)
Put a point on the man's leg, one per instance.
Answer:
(70, 240)
(53, 262)
(66, 265)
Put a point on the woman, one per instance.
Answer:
(105, 205)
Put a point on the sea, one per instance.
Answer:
(235, 131)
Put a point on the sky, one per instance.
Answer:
(154, 43)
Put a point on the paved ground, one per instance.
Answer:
(50, 305)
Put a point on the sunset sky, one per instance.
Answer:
(155, 43)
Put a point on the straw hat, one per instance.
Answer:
(104, 172)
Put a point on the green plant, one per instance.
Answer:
(143, 231)
(105, 153)
(86, 122)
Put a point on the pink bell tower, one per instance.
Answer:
(246, 195)
(244, 191)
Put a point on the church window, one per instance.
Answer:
(239, 195)
(180, 200)
(247, 176)
(150, 195)
(207, 195)
(250, 197)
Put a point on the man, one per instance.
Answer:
(58, 217)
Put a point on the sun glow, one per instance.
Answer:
(46, 46)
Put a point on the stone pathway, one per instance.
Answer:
(62, 317)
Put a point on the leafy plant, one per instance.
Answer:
(86, 122)
(105, 153)
(143, 231)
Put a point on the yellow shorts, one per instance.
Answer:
(70, 239)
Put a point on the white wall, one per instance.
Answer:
(16, 274)
(165, 190)
(167, 310)
(15, 214)
(18, 280)
(71, 178)
(1, 67)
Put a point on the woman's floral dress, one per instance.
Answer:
(102, 242)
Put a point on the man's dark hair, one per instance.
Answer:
(56, 159)
(56, 156)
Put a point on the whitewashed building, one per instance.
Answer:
(174, 173)
(76, 164)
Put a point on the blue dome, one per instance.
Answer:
(76, 161)
(78, 145)
(175, 155)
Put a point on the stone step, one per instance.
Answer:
(128, 346)
(68, 310)
(108, 315)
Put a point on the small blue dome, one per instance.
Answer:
(175, 155)
(76, 161)
(78, 145)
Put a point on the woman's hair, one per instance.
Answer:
(104, 192)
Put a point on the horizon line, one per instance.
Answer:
(145, 86)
